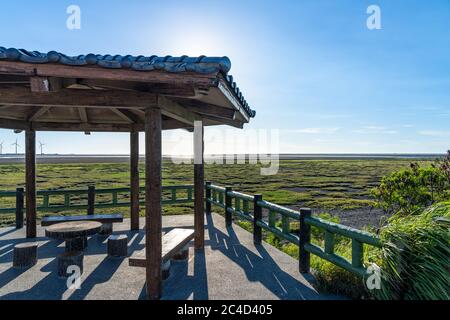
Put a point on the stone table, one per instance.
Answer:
(74, 233)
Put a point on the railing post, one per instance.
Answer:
(208, 197)
(304, 238)
(91, 200)
(357, 254)
(19, 208)
(228, 217)
(257, 216)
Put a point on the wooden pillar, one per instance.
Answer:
(30, 182)
(134, 179)
(199, 185)
(153, 245)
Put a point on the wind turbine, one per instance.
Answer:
(1, 147)
(15, 144)
(40, 146)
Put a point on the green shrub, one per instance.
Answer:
(411, 190)
(415, 256)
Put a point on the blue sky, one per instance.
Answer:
(311, 69)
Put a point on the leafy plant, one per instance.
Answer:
(415, 256)
(411, 190)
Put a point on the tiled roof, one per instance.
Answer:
(200, 64)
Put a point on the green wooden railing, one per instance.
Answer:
(233, 203)
(62, 200)
(239, 204)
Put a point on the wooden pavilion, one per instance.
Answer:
(93, 93)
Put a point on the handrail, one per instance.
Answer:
(233, 203)
(303, 238)
(82, 202)
(336, 228)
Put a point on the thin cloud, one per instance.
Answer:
(435, 133)
(316, 130)
(375, 130)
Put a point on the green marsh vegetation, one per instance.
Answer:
(339, 186)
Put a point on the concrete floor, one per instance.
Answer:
(230, 267)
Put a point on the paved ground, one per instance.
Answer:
(230, 267)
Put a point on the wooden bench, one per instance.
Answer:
(106, 219)
(172, 243)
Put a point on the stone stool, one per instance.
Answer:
(106, 230)
(66, 259)
(118, 245)
(182, 255)
(25, 255)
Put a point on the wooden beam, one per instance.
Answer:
(213, 121)
(88, 72)
(14, 124)
(199, 185)
(36, 113)
(153, 193)
(169, 124)
(30, 182)
(207, 109)
(84, 119)
(175, 111)
(131, 115)
(134, 179)
(156, 88)
(13, 79)
(122, 115)
(83, 114)
(76, 97)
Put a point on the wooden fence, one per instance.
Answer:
(243, 206)
(250, 208)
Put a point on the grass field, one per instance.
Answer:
(340, 187)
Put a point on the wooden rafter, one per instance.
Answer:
(37, 112)
(175, 111)
(122, 115)
(83, 114)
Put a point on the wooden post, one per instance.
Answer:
(19, 208)
(357, 254)
(134, 179)
(228, 215)
(304, 238)
(207, 197)
(257, 216)
(91, 200)
(30, 177)
(153, 192)
(199, 185)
